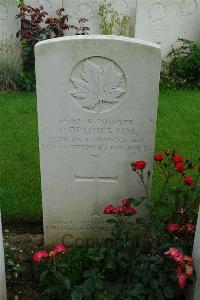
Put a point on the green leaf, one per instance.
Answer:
(138, 289)
(111, 221)
(116, 231)
(67, 283)
(140, 220)
(154, 284)
(135, 202)
(77, 294)
(169, 292)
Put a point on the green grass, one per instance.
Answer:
(178, 128)
(20, 176)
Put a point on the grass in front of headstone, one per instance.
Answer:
(178, 128)
(19, 157)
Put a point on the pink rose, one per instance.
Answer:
(60, 249)
(39, 255)
(175, 254)
(173, 227)
(182, 279)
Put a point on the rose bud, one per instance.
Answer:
(188, 259)
(188, 180)
(139, 165)
(158, 157)
(191, 227)
(180, 167)
(52, 253)
(191, 165)
(177, 159)
(167, 152)
(189, 270)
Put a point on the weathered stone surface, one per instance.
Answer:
(165, 21)
(3, 294)
(97, 105)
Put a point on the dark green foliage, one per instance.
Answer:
(182, 69)
(14, 270)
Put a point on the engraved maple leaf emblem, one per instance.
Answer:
(97, 85)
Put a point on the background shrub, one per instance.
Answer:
(182, 69)
(10, 65)
(36, 26)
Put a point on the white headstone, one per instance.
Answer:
(97, 105)
(50, 6)
(89, 9)
(165, 21)
(8, 23)
(3, 295)
(195, 293)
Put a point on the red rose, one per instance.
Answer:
(119, 210)
(60, 249)
(130, 211)
(139, 165)
(188, 180)
(180, 167)
(158, 157)
(176, 159)
(173, 227)
(109, 209)
(39, 255)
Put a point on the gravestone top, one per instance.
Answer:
(99, 37)
(97, 105)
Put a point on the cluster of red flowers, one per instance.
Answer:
(44, 254)
(189, 227)
(185, 265)
(125, 209)
(180, 167)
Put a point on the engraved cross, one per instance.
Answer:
(97, 178)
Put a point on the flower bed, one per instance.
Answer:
(145, 258)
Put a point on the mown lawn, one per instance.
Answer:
(178, 128)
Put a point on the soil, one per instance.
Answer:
(25, 238)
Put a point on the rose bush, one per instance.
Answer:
(145, 258)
